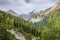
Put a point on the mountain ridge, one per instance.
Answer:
(12, 12)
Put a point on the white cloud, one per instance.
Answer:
(21, 6)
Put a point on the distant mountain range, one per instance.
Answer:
(36, 16)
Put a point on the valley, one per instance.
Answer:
(37, 25)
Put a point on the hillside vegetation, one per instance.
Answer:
(50, 31)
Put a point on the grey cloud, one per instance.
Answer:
(4, 2)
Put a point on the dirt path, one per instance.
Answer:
(17, 35)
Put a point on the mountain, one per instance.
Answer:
(24, 16)
(34, 17)
(12, 12)
(37, 16)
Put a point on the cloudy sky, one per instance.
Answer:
(26, 6)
